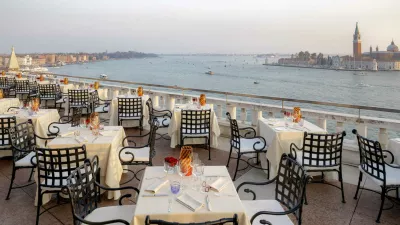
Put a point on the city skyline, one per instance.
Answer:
(241, 27)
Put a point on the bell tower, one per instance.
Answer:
(357, 43)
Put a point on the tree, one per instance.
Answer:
(314, 55)
(306, 55)
(301, 55)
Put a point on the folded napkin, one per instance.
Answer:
(81, 139)
(111, 128)
(189, 202)
(11, 112)
(65, 134)
(108, 133)
(219, 184)
(280, 128)
(154, 187)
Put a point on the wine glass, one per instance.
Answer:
(183, 170)
(82, 122)
(21, 104)
(198, 171)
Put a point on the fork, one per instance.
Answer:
(169, 205)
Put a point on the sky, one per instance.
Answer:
(196, 26)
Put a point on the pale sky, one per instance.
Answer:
(196, 26)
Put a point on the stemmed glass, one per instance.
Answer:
(182, 171)
(198, 171)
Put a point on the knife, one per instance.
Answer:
(208, 203)
(154, 195)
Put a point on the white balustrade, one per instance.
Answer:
(231, 109)
(243, 115)
(321, 123)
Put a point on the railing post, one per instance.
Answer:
(362, 130)
(256, 115)
(231, 109)
(321, 123)
(339, 126)
(155, 100)
(383, 138)
(270, 114)
(219, 111)
(243, 115)
(171, 102)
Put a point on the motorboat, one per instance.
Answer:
(103, 76)
(256, 82)
(210, 72)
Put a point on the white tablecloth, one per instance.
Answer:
(113, 112)
(157, 207)
(394, 147)
(175, 133)
(279, 141)
(6, 103)
(105, 147)
(65, 87)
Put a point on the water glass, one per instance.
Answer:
(175, 187)
(301, 122)
(77, 133)
(168, 168)
(198, 171)
(82, 122)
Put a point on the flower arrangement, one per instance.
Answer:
(65, 80)
(171, 161)
(286, 114)
(41, 78)
(3, 73)
(96, 85)
(296, 114)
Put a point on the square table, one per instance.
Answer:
(113, 111)
(174, 129)
(223, 206)
(394, 147)
(279, 137)
(105, 147)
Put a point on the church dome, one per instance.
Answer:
(392, 47)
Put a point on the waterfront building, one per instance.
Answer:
(51, 59)
(62, 58)
(12, 64)
(38, 61)
(25, 61)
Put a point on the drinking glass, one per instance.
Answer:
(182, 171)
(198, 171)
(175, 187)
(168, 169)
(21, 104)
(301, 122)
(82, 122)
(77, 133)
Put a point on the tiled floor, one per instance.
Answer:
(325, 206)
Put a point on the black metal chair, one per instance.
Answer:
(23, 88)
(23, 142)
(247, 143)
(5, 86)
(50, 92)
(83, 189)
(290, 184)
(10, 84)
(222, 221)
(139, 155)
(130, 109)
(99, 105)
(79, 99)
(373, 165)
(5, 124)
(65, 122)
(162, 116)
(54, 166)
(196, 124)
(321, 153)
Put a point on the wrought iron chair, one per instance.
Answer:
(290, 184)
(321, 153)
(373, 165)
(54, 166)
(65, 122)
(5, 124)
(99, 105)
(10, 84)
(162, 116)
(196, 124)
(83, 189)
(23, 88)
(139, 155)
(130, 109)
(79, 99)
(222, 221)
(23, 142)
(248, 143)
(33, 86)
(5, 86)
(50, 92)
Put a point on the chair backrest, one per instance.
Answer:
(76, 117)
(290, 186)
(10, 81)
(78, 97)
(130, 107)
(47, 91)
(23, 137)
(235, 135)
(5, 124)
(22, 86)
(322, 150)
(152, 137)
(3, 82)
(56, 164)
(95, 98)
(371, 157)
(82, 190)
(196, 122)
(233, 220)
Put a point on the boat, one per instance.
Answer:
(103, 76)
(39, 69)
(256, 82)
(210, 72)
(360, 73)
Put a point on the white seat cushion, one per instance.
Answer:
(127, 116)
(26, 161)
(101, 109)
(252, 207)
(163, 121)
(141, 154)
(60, 100)
(328, 163)
(246, 145)
(392, 175)
(124, 212)
(195, 135)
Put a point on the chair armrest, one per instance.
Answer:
(8, 110)
(293, 210)
(251, 130)
(119, 189)
(293, 149)
(254, 183)
(129, 153)
(258, 142)
(391, 154)
(167, 112)
(133, 136)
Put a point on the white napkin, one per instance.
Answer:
(111, 128)
(108, 133)
(280, 128)
(10, 113)
(81, 139)
(65, 134)
(189, 202)
(154, 187)
(219, 184)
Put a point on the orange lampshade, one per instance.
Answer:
(202, 100)
(185, 159)
(41, 78)
(140, 91)
(65, 80)
(96, 85)
(1, 94)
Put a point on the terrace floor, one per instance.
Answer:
(325, 206)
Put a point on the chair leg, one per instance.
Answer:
(358, 186)
(305, 195)
(341, 184)
(229, 158)
(258, 158)
(11, 183)
(30, 176)
(209, 148)
(237, 166)
(382, 203)
(39, 205)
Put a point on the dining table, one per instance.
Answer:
(175, 125)
(6, 103)
(163, 205)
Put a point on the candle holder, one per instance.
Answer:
(202, 100)
(140, 91)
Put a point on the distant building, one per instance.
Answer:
(296, 61)
(25, 61)
(51, 59)
(62, 58)
(105, 57)
(38, 61)
(12, 64)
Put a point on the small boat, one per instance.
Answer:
(103, 76)
(360, 73)
(210, 72)
(256, 82)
